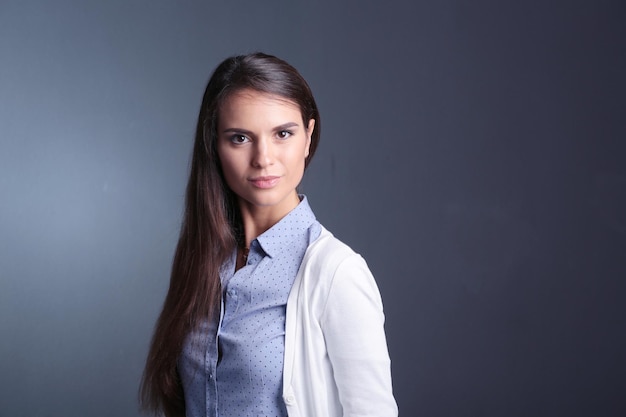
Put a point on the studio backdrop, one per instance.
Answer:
(472, 152)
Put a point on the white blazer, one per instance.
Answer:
(336, 359)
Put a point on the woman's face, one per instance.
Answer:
(262, 144)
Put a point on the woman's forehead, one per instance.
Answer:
(257, 108)
(250, 96)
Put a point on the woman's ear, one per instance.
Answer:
(309, 133)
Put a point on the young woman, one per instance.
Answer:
(267, 313)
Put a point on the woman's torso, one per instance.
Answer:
(232, 365)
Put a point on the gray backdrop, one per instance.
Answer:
(473, 152)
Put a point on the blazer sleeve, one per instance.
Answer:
(353, 327)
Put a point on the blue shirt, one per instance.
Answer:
(232, 366)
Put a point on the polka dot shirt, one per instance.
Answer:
(233, 365)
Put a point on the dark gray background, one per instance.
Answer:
(473, 152)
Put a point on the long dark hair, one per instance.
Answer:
(211, 222)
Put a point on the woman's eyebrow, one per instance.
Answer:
(286, 126)
(247, 132)
(237, 130)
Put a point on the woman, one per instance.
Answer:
(267, 313)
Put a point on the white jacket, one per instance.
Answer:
(336, 359)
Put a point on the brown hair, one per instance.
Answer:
(211, 222)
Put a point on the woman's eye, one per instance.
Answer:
(284, 134)
(238, 139)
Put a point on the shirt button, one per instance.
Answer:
(290, 399)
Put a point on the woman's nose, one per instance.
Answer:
(263, 153)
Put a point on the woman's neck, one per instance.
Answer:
(256, 220)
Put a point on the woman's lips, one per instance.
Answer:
(264, 182)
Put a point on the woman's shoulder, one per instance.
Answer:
(328, 255)
(333, 273)
(327, 245)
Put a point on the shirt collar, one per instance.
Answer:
(292, 227)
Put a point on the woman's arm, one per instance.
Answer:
(352, 323)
